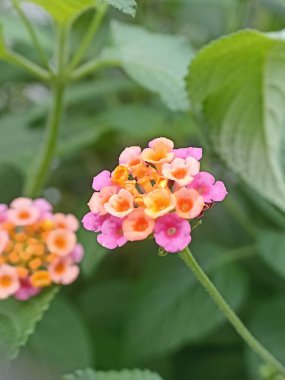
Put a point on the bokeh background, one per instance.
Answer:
(132, 308)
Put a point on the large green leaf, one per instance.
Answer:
(272, 249)
(61, 342)
(236, 82)
(126, 6)
(158, 62)
(18, 321)
(267, 325)
(171, 308)
(64, 11)
(107, 321)
(126, 374)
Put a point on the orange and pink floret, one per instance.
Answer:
(38, 248)
(157, 191)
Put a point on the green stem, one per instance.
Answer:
(32, 33)
(92, 66)
(27, 65)
(37, 178)
(204, 280)
(91, 31)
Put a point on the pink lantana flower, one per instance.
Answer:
(211, 191)
(9, 281)
(44, 207)
(111, 235)
(26, 290)
(3, 212)
(61, 241)
(172, 233)
(189, 152)
(63, 271)
(66, 221)
(77, 254)
(130, 156)
(23, 212)
(93, 222)
(102, 180)
(181, 170)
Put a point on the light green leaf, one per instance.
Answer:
(2, 42)
(61, 342)
(157, 62)
(18, 321)
(64, 11)
(267, 324)
(126, 6)
(171, 308)
(236, 82)
(271, 246)
(126, 374)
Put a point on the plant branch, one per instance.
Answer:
(204, 280)
(27, 65)
(92, 66)
(91, 31)
(32, 33)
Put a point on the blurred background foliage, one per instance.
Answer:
(131, 308)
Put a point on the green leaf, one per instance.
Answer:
(2, 43)
(18, 321)
(107, 321)
(135, 374)
(236, 82)
(61, 342)
(271, 246)
(64, 11)
(126, 6)
(169, 322)
(157, 62)
(267, 324)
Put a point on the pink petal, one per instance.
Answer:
(102, 180)
(93, 222)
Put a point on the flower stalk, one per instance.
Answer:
(241, 329)
(39, 173)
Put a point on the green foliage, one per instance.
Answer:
(271, 247)
(13, 179)
(70, 347)
(126, 6)
(2, 43)
(187, 305)
(235, 82)
(65, 11)
(268, 326)
(18, 321)
(157, 62)
(94, 252)
(112, 375)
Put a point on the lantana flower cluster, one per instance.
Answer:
(38, 248)
(155, 192)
